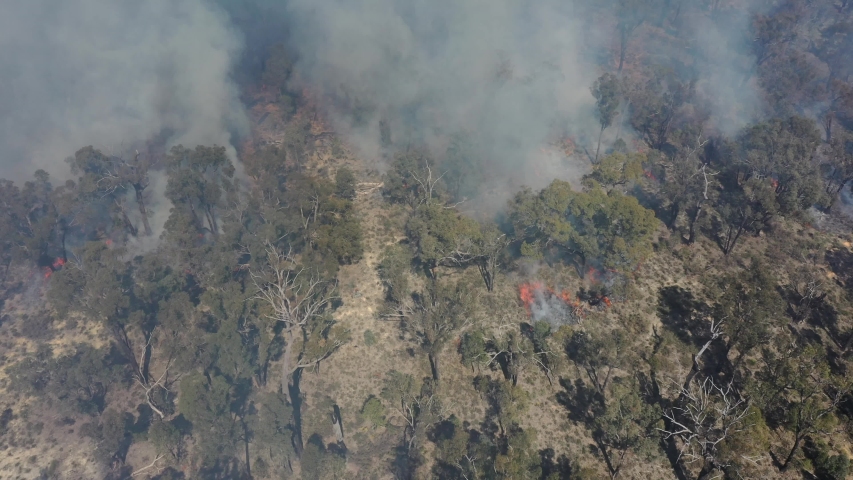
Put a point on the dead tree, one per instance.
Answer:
(298, 298)
(703, 418)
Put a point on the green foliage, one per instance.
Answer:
(438, 233)
(473, 348)
(199, 180)
(273, 429)
(627, 424)
(749, 309)
(167, 440)
(783, 152)
(186, 321)
(206, 402)
(412, 179)
(78, 381)
(436, 314)
(657, 102)
(837, 168)
(374, 412)
(616, 169)
(110, 434)
(793, 388)
(393, 268)
(593, 225)
(607, 97)
(345, 183)
(369, 338)
(826, 465)
(318, 463)
(599, 354)
(509, 402)
(465, 167)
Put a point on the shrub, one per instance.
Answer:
(374, 412)
(369, 338)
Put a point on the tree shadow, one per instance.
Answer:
(678, 308)
(222, 469)
(143, 421)
(560, 467)
(582, 401)
(651, 202)
(169, 474)
(840, 261)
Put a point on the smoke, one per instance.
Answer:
(725, 64)
(550, 308)
(509, 75)
(545, 304)
(111, 74)
(512, 76)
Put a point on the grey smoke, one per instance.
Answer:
(111, 74)
(548, 307)
(512, 74)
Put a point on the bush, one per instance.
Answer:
(826, 466)
(37, 326)
(374, 412)
(369, 338)
(345, 183)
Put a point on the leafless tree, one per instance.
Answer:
(704, 417)
(427, 182)
(297, 297)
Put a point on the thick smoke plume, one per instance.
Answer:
(508, 75)
(545, 304)
(112, 73)
(511, 76)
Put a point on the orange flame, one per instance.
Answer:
(527, 292)
(58, 263)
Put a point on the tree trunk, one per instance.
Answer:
(487, 270)
(623, 42)
(613, 471)
(433, 365)
(622, 119)
(694, 219)
(707, 470)
(286, 369)
(199, 224)
(127, 223)
(827, 125)
(63, 232)
(797, 439)
(246, 444)
(211, 220)
(674, 210)
(140, 202)
(598, 148)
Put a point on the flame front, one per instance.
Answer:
(534, 294)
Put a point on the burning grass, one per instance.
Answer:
(544, 303)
